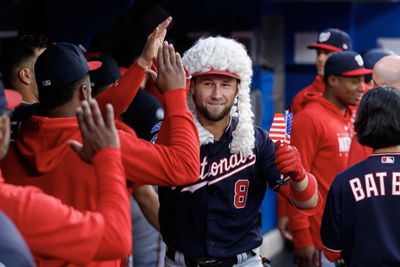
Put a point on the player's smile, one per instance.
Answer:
(214, 96)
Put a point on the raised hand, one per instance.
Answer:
(288, 161)
(154, 41)
(171, 74)
(96, 133)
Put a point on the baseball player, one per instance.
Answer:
(360, 221)
(41, 157)
(59, 232)
(329, 41)
(322, 132)
(386, 72)
(371, 57)
(217, 221)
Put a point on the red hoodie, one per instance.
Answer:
(54, 230)
(299, 102)
(317, 86)
(41, 156)
(322, 134)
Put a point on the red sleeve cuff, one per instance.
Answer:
(332, 255)
(175, 102)
(316, 209)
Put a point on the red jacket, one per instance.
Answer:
(56, 231)
(322, 134)
(41, 156)
(317, 86)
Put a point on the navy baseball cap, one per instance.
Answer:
(345, 63)
(107, 74)
(333, 40)
(9, 99)
(60, 65)
(374, 55)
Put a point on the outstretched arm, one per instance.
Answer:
(303, 186)
(177, 160)
(121, 94)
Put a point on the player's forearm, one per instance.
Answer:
(113, 205)
(121, 94)
(180, 135)
(304, 193)
(149, 204)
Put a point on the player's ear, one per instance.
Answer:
(333, 80)
(25, 75)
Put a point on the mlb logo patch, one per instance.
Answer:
(387, 160)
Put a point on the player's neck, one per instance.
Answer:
(216, 128)
(387, 150)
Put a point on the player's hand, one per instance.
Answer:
(96, 133)
(283, 226)
(306, 257)
(154, 42)
(171, 74)
(288, 161)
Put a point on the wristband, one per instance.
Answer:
(306, 194)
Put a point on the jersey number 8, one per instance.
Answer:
(241, 190)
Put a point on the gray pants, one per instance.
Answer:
(148, 246)
(243, 261)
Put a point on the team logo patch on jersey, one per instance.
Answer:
(387, 160)
(156, 127)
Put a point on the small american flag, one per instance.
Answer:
(281, 127)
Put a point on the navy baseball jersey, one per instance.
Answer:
(14, 251)
(219, 216)
(362, 213)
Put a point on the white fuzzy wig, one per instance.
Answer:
(225, 54)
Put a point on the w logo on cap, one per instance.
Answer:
(324, 36)
(359, 60)
(46, 83)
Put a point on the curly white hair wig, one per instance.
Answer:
(225, 54)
